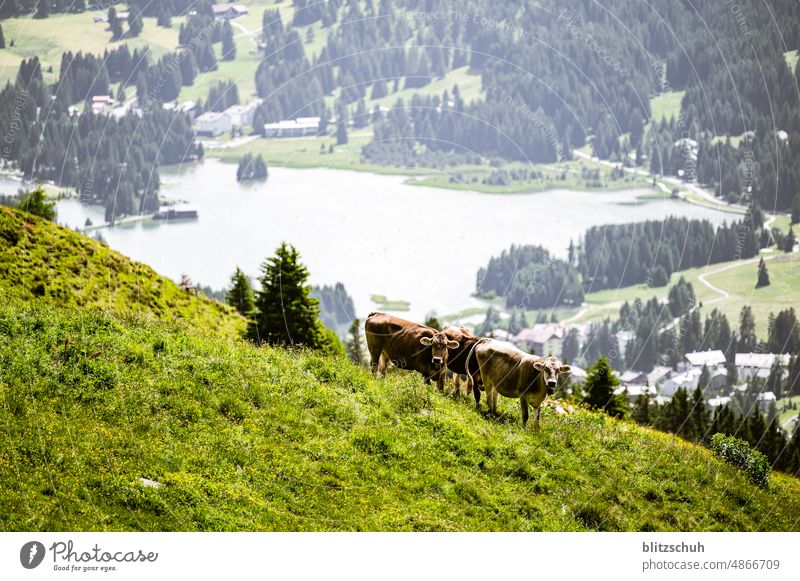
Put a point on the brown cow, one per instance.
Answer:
(408, 346)
(512, 373)
(457, 361)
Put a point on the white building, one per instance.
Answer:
(102, 104)
(212, 124)
(543, 338)
(241, 115)
(719, 401)
(708, 358)
(765, 400)
(229, 11)
(749, 365)
(658, 375)
(500, 334)
(300, 127)
(687, 380)
(577, 374)
(635, 390)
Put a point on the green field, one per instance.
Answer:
(738, 282)
(247, 438)
(49, 38)
(56, 265)
(666, 105)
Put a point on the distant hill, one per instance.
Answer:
(230, 436)
(41, 260)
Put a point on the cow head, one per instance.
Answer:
(549, 369)
(439, 345)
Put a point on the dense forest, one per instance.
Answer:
(556, 76)
(614, 256)
(617, 255)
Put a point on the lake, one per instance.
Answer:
(373, 233)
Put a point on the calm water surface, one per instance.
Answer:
(374, 233)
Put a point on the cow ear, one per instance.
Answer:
(452, 344)
(426, 341)
(564, 369)
(538, 364)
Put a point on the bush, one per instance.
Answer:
(740, 454)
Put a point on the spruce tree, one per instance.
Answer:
(747, 330)
(599, 389)
(2, 37)
(763, 275)
(354, 347)
(228, 44)
(240, 295)
(341, 131)
(286, 313)
(698, 418)
(641, 410)
(789, 241)
(135, 23)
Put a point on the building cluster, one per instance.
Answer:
(215, 123)
(662, 382)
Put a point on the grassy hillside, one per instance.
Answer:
(39, 259)
(248, 438)
(736, 278)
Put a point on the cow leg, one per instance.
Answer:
(440, 377)
(524, 405)
(374, 360)
(381, 365)
(491, 401)
(536, 417)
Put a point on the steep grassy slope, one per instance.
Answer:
(54, 264)
(246, 438)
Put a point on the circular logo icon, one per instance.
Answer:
(31, 555)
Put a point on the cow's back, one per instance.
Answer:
(506, 367)
(458, 358)
(399, 340)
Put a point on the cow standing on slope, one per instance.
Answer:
(510, 372)
(457, 360)
(408, 346)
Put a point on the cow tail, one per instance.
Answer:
(470, 379)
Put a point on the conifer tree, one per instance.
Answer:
(354, 346)
(2, 37)
(228, 44)
(747, 330)
(599, 389)
(763, 275)
(135, 23)
(240, 295)
(641, 410)
(286, 312)
(698, 418)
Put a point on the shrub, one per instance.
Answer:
(740, 454)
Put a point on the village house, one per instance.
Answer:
(212, 124)
(543, 338)
(300, 127)
(749, 365)
(241, 115)
(633, 391)
(102, 104)
(658, 375)
(687, 380)
(719, 401)
(229, 11)
(700, 358)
